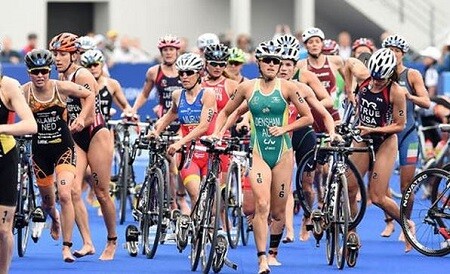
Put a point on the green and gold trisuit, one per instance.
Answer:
(268, 110)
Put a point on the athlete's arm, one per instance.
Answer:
(87, 80)
(354, 68)
(421, 97)
(313, 103)
(311, 79)
(16, 102)
(68, 88)
(141, 99)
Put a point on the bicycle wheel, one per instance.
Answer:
(123, 180)
(26, 205)
(153, 213)
(211, 228)
(233, 212)
(198, 218)
(341, 224)
(306, 171)
(329, 238)
(431, 233)
(245, 231)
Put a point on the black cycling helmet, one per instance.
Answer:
(216, 52)
(38, 58)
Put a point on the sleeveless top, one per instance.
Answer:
(165, 85)
(7, 142)
(74, 107)
(325, 75)
(403, 82)
(105, 98)
(51, 118)
(221, 94)
(189, 113)
(374, 109)
(268, 110)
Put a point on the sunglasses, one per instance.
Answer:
(269, 60)
(234, 63)
(42, 71)
(217, 64)
(93, 65)
(182, 73)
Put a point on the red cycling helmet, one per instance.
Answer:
(330, 47)
(169, 41)
(366, 42)
(65, 41)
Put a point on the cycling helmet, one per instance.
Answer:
(169, 41)
(38, 58)
(366, 42)
(92, 56)
(207, 39)
(86, 43)
(287, 40)
(189, 61)
(216, 52)
(290, 53)
(396, 41)
(330, 47)
(382, 64)
(268, 49)
(312, 32)
(64, 42)
(237, 55)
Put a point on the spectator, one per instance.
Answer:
(31, 43)
(430, 57)
(128, 53)
(445, 65)
(184, 45)
(244, 42)
(345, 44)
(8, 54)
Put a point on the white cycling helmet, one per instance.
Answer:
(268, 49)
(91, 57)
(287, 40)
(290, 53)
(382, 64)
(312, 32)
(86, 43)
(431, 52)
(189, 61)
(207, 39)
(396, 41)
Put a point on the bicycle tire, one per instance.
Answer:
(308, 160)
(197, 235)
(22, 229)
(124, 185)
(245, 231)
(212, 228)
(341, 224)
(425, 237)
(155, 208)
(233, 211)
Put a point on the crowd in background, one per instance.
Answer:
(118, 48)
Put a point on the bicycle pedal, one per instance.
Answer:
(38, 215)
(36, 231)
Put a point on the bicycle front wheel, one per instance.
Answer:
(341, 224)
(430, 233)
(233, 211)
(26, 205)
(123, 180)
(153, 213)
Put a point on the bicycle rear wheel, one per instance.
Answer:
(233, 211)
(430, 234)
(153, 213)
(198, 218)
(306, 172)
